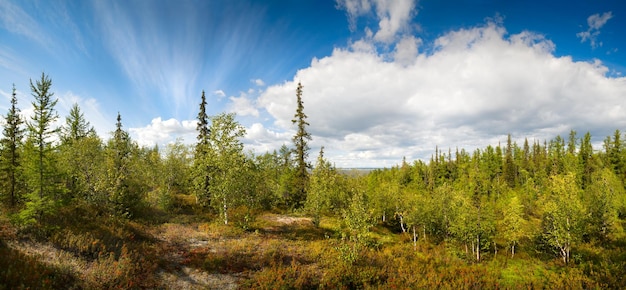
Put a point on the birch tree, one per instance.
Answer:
(228, 164)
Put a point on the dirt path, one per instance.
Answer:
(180, 239)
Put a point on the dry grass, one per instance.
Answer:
(277, 252)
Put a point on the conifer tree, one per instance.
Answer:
(201, 177)
(81, 153)
(509, 166)
(76, 127)
(300, 140)
(118, 153)
(203, 126)
(42, 170)
(11, 142)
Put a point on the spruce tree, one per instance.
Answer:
(203, 126)
(201, 177)
(118, 153)
(300, 140)
(11, 142)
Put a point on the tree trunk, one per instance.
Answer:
(402, 223)
(225, 211)
(513, 250)
(414, 238)
(478, 248)
(495, 249)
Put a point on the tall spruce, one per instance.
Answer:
(13, 134)
(201, 176)
(203, 126)
(118, 153)
(300, 140)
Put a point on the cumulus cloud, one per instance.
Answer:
(160, 132)
(476, 86)
(595, 23)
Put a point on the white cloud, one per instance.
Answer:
(595, 22)
(354, 9)
(242, 106)
(407, 50)
(473, 88)
(258, 82)
(160, 132)
(260, 139)
(393, 15)
(219, 93)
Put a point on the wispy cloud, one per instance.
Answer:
(15, 20)
(160, 65)
(595, 22)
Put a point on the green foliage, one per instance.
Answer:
(564, 215)
(229, 169)
(201, 168)
(10, 152)
(326, 193)
(297, 197)
(120, 183)
(81, 156)
(45, 192)
(512, 225)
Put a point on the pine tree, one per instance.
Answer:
(300, 140)
(13, 134)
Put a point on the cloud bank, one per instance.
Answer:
(472, 88)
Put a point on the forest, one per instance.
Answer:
(81, 212)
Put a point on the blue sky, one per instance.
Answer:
(382, 79)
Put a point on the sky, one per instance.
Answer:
(383, 79)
